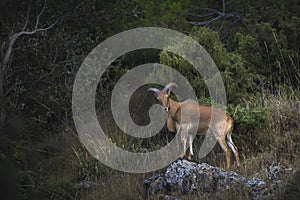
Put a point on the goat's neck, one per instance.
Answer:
(174, 111)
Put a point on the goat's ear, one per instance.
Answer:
(168, 92)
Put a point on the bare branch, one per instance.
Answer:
(38, 29)
(15, 36)
(8, 52)
(39, 15)
(211, 13)
(223, 2)
(203, 15)
(205, 23)
(210, 10)
(27, 17)
(43, 9)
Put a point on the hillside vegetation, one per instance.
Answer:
(255, 45)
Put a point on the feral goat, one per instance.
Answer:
(221, 126)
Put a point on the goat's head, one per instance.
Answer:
(163, 95)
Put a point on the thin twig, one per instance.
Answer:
(37, 30)
(27, 17)
(211, 12)
(39, 15)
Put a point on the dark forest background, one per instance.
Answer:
(255, 45)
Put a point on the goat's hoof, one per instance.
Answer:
(181, 156)
(190, 157)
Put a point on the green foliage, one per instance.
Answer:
(256, 51)
(55, 187)
(169, 14)
(251, 128)
(210, 40)
(238, 80)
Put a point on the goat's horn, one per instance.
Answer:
(167, 87)
(156, 91)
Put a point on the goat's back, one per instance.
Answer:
(208, 116)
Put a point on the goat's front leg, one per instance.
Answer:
(191, 138)
(184, 149)
(184, 136)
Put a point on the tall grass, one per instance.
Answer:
(274, 143)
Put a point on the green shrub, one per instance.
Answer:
(238, 80)
(251, 128)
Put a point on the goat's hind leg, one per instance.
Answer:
(226, 150)
(233, 149)
(228, 131)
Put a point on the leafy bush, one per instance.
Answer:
(238, 80)
(251, 129)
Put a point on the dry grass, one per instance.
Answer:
(78, 164)
(120, 186)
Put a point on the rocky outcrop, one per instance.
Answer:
(185, 177)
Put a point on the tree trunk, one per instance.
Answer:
(2, 101)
